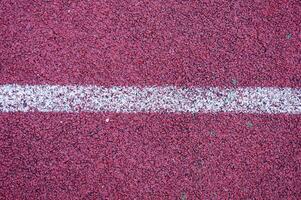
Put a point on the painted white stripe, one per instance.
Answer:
(55, 98)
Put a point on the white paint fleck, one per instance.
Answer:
(76, 98)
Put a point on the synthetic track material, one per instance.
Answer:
(161, 42)
(150, 43)
(149, 156)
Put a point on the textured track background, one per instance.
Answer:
(150, 156)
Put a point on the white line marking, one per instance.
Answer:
(55, 98)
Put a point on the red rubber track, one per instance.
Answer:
(255, 43)
(149, 156)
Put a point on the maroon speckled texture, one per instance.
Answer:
(150, 156)
(210, 43)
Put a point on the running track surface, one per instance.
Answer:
(156, 155)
